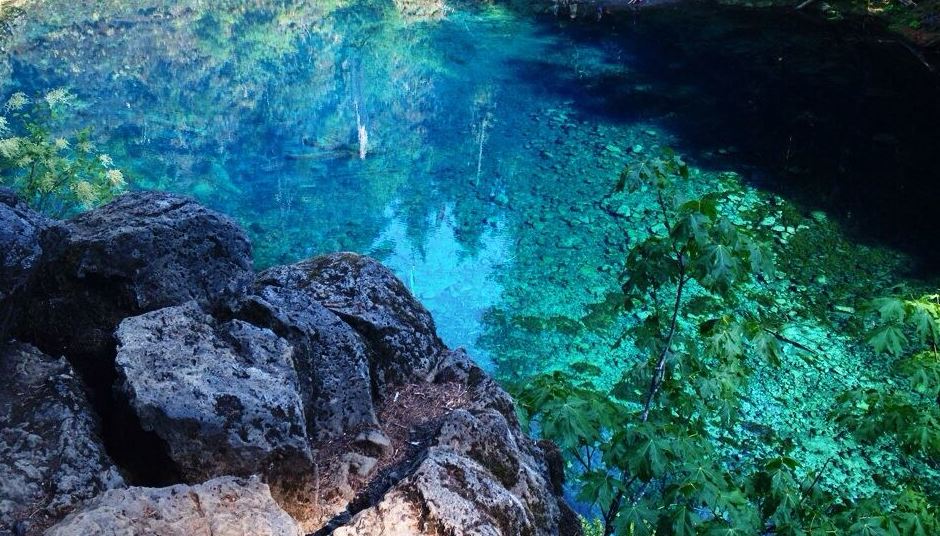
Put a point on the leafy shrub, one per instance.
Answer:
(57, 173)
(907, 331)
(645, 454)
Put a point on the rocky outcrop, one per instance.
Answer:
(367, 296)
(24, 237)
(222, 507)
(325, 380)
(222, 395)
(332, 360)
(51, 457)
(142, 252)
(479, 478)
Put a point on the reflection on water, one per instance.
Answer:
(472, 153)
(475, 155)
(446, 276)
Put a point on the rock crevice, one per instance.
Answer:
(310, 398)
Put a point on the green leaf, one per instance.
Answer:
(720, 265)
(636, 519)
(888, 338)
(890, 309)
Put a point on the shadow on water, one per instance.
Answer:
(835, 116)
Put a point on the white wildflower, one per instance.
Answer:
(61, 144)
(59, 96)
(115, 177)
(86, 146)
(105, 160)
(16, 102)
(10, 147)
(85, 192)
(47, 183)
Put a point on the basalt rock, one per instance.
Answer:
(224, 396)
(325, 378)
(479, 477)
(222, 507)
(331, 359)
(25, 238)
(51, 457)
(139, 253)
(398, 330)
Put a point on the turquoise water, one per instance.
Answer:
(476, 154)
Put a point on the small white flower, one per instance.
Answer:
(105, 160)
(115, 177)
(85, 192)
(86, 146)
(16, 102)
(59, 96)
(61, 144)
(9, 147)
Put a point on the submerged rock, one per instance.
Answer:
(223, 396)
(139, 253)
(222, 507)
(51, 457)
(398, 330)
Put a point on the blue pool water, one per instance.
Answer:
(476, 155)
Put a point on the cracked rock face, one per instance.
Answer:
(23, 235)
(331, 359)
(222, 507)
(224, 396)
(398, 330)
(51, 457)
(139, 253)
(478, 478)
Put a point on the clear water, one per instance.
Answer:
(494, 139)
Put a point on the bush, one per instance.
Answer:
(57, 173)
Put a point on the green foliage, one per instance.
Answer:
(57, 173)
(645, 454)
(906, 331)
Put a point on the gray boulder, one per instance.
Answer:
(399, 331)
(139, 253)
(51, 457)
(223, 396)
(23, 235)
(222, 507)
(331, 359)
(479, 477)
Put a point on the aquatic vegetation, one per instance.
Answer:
(57, 172)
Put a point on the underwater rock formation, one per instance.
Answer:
(51, 456)
(222, 507)
(326, 380)
(139, 253)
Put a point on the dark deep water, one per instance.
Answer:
(494, 140)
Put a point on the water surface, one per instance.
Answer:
(494, 139)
